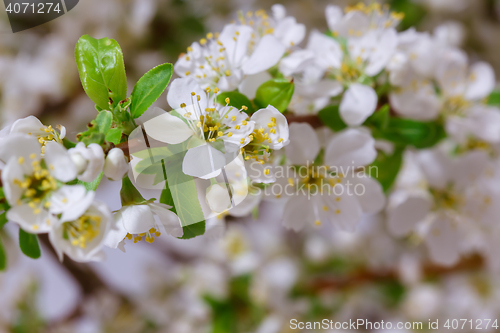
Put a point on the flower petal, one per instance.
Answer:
(249, 85)
(168, 128)
(481, 81)
(30, 222)
(296, 213)
(443, 242)
(359, 102)
(137, 219)
(180, 93)
(168, 219)
(59, 162)
(202, 161)
(350, 149)
(267, 54)
(304, 144)
(406, 211)
(384, 51)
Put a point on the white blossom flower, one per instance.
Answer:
(89, 161)
(371, 41)
(116, 164)
(82, 238)
(139, 220)
(32, 126)
(443, 200)
(240, 51)
(335, 191)
(270, 134)
(29, 181)
(216, 133)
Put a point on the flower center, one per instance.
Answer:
(148, 236)
(36, 187)
(455, 106)
(82, 231)
(446, 199)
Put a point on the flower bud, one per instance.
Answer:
(116, 165)
(89, 161)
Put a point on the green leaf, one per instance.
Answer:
(275, 92)
(411, 132)
(330, 116)
(129, 194)
(149, 88)
(91, 186)
(3, 219)
(104, 120)
(494, 98)
(3, 257)
(181, 193)
(236, 99)
(114, 135)
(102, 70)
(386, 168)
(29, 244)
(414, 12)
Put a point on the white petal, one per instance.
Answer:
(327, 50)
(451, 72)
(296, 213)
(59, 162)
(371, 195)
(168, 219)
(10, 173)
(304, 144)
(350, 149)
(180, 92)
(437, 167)
(236, 49)
(115, 236)
(359, 102)
(116, 165)
(249, 85)
(279, 11)
(137, 219)
(29, 125)
(71, 201)
(95, 159)
(333, 16)
(202, 161)
(406, 211)
(422, 104)
(443, 242)
(267, 54)
(168, 128)
(345, 213)
(481, 81)
(384, 51)
(30, 222)
(19, 145)
(296, 62)
(289, 32)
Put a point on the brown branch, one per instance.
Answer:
(472, 263)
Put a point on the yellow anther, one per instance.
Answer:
(267, 171)
(210, 35)
(230, 134)
(203, 41)
(187, 73)
(220, 133)
(21, 160)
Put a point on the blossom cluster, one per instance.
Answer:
(257, 117)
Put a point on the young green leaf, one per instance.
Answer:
(275, 92)
(104, 120)
(129, 194)
(102, 70)
(236, 99)
(386, 168)
(149, 88)
(330, 116)
(114, 135)
(92, 186)
(29, 244)
(494, 98)
(3, 219)
(3, 257)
